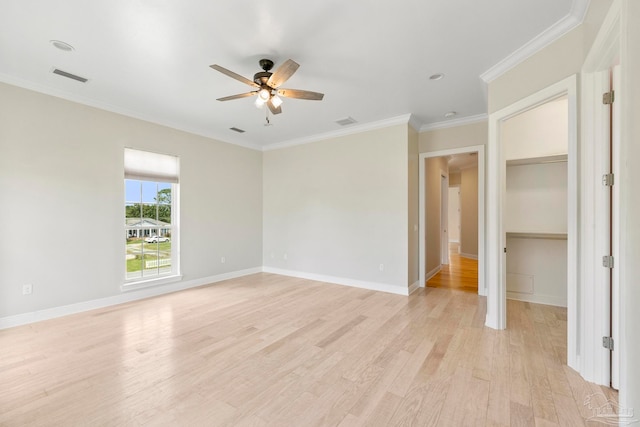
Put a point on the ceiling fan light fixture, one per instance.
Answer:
(260, 102)
(276, 101)
(264, 95)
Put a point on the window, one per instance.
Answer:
(151, 232)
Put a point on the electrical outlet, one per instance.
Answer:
(284, 257)
(272, 255)
(27, 289)
(222, 260)
(381, 267)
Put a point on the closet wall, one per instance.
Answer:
(535, 211)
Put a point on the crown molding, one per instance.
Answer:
(69, 96)
(539, 42)
(350, 130)
(414, 123)
(455, 122)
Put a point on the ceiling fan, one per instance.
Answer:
(267, 85)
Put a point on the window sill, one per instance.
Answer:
(142, 284)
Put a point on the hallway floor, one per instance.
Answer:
(460, 274)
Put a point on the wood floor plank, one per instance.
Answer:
(271, 350)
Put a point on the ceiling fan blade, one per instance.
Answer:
(273, 108)
(283, 73)
(234, 75)
(301, 94)
(240, 95)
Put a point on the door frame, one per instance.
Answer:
(595, 362)
(496, 189)
(482, 288)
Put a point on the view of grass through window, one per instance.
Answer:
(148, 226)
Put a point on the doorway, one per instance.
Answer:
(428, 221)
(496, 204)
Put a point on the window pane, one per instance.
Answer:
(149, 192)
(164, 257)
(132, 211)
(164, 215)
(132, 190)
(134, 256)
(164, 193)
(149, 215)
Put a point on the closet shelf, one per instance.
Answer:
(536, 235)
(560, 158)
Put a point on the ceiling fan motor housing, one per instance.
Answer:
(262, 77)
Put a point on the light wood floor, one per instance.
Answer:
(267, 350)
(461, 273)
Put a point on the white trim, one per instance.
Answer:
(414, 287)
(482, 284)
(431, 274)
(470, 256)
(348, 130)
(135, 284)
(69, 96)
(537, 299)
(538, 43)
(496, 234)
(415, 123)
(52, 313)
(373, 286)
(454, 123)
(606, 47)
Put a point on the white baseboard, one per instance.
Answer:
(51, 313)
(430, 274)
(538, 299)
(414, 287)
(383, 287)
(470, 256)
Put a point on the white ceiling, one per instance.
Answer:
(458, 162)
(372, 60)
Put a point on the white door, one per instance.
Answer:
(615, 229)
(444, 219)
(454, 214)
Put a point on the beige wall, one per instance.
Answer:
(339, 207)
(559, 60)
(469, 211)
(412, 231)
(62, 190)
(434, 167)
(455, 178)
(540, 132)
(454, 137)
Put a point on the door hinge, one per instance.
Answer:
(608, 98)
(607, 342)
(607, 180)
(607, 261)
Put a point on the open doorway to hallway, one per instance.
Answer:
(458, 219)
(434, 165)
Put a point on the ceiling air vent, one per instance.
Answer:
(235, 129)
(69, 75)
(346, 121)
